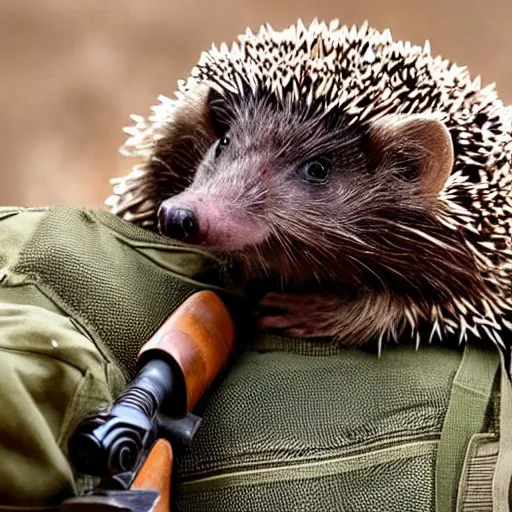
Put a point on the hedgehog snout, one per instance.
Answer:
(210, 222)
(178, 221)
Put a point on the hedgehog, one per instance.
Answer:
(373, 174)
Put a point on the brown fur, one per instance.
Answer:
(370, 230)
(411, 229)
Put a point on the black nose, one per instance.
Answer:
(178, 222)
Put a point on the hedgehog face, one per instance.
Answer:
(308, 195)
(267, 160)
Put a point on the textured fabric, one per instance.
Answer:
(471, 392)
(502, 482)
(294, 425)
(475, 487)
(339, 432)
(401, 484)
(80, 291)
(51, 375)
(117, 280)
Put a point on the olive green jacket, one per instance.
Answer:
(294, 425)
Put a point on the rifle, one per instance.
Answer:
(130, 446)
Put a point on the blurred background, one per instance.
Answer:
(72, 71)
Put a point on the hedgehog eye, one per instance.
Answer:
(315, 171)
(221, 145)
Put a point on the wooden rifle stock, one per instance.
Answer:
(125, 446)
(199, 337)
(155, 474)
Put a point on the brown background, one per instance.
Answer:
(73, 70)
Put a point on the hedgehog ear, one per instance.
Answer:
(422, 142)
(217, 113)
